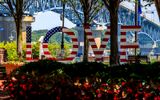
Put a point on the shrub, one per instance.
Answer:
(12, 55)
(83, 81)
(11, 50)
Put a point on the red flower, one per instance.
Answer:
(23, 86)
(99, 95)
(58, 98)
(21, 93)
(104, 84)
(123, 83)
(12, 95)
(98, 90)
(23, 77)
(129, 90)
(30, 86)
(10, 85)
(12, 89)
(102, 89)
(110, 91)
(136, 95)
(115, 98)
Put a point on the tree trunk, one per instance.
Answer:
(157, 3)
(114, 57)
(18, 23)
(86, 44)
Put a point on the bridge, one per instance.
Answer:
(150, 28)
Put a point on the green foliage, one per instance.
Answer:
(35, 50)
(11, 50)
(53, 47)
(56, 38)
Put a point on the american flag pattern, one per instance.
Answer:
(68, 32)
(123, 44)
(28, 44)
(98, 52)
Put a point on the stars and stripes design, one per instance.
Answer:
(46, 39)
(28, 34)
(98, 52)
(74, 46)
(124, 45)
(28, 44)
(68, 32)
(51, 32)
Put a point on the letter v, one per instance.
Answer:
(97, 51)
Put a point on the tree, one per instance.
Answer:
(113, 6)
(16, 9)
(89, 9)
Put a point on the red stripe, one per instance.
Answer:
(28, 52)
(88, 33)
(123, 60)
(123, 40)
(69, 58)
(28, 46)
(91, 40)
(69, 33)
(105, 39)
(75, 46)
(87, 26)
(28, 58)
(122, 53)
(129, 46)
(107, 33)
(45, 45)
(74, 39)
(123, 33)
(103, 46)
(99, 59)
(130, 27)
(94, 46)
(46, 53)
(98, 52)
(74, 52)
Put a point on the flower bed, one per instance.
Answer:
(50, 80)
(10, 66)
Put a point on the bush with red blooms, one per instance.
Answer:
(50, 80)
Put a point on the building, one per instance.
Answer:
(8, 30)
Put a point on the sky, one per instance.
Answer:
(48, 20)
(148, 12)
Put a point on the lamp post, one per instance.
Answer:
(11, 37)
(136, 23)
(62, 41)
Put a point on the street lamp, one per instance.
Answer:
(62, 41)
(11, 37)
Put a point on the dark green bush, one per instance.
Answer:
(51, 80)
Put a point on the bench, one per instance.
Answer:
(137, 59)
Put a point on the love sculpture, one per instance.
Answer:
(98, 52)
